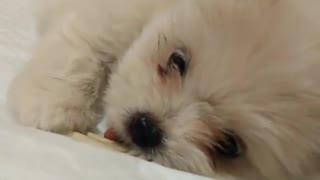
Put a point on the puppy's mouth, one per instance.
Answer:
(111, 135)
(131, 148)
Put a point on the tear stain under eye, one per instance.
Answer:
(162, 72)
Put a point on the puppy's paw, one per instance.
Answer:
(55, 118)
(55, 113)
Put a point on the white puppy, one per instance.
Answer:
(213, 87)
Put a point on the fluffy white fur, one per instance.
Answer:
(254, 70)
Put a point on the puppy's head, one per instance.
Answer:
(196, 93)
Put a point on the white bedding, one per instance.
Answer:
(36, 155)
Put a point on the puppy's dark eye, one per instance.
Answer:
(229, 146)
(179, 61)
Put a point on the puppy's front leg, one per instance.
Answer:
(60, 89)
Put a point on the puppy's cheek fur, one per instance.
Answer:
(203, 137)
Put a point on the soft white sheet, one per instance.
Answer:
(36, 155)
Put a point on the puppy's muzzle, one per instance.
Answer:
(144, 131)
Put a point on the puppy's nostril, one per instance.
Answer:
(144, 131)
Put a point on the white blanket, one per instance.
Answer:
(31, 154)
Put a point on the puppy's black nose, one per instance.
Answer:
(144, 130)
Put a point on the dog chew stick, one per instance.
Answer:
(98, 141)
